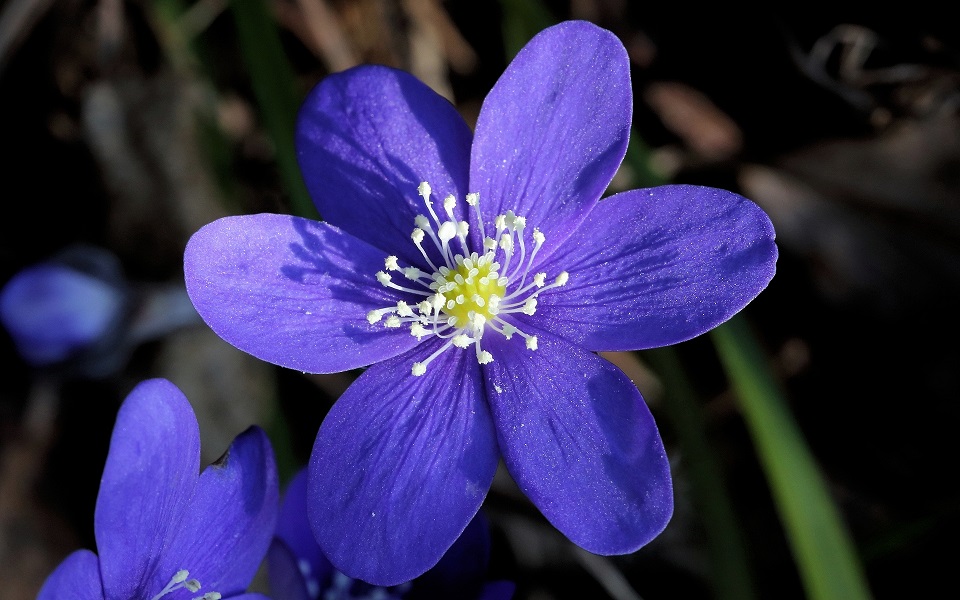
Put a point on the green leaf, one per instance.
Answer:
(274, 86)
(821, 546)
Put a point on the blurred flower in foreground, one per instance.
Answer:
(162, 531)
(77, 313)
(484, 322)
(299, 571)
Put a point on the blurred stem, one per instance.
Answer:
(523, 19)
(275, 88)
(729, 563)
(821, 546)
(278, 431)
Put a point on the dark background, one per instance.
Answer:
(112, 140)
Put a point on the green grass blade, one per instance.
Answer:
(276, 91)
(821, 546)
(731, 575)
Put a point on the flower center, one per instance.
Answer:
(180, 580)
(468, 293)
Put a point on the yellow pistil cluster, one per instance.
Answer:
(466, 294)
(473, 289)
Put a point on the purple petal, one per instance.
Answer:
(400, 466)
(148, 481)
(287, 581)
(293, 292)
(227, 528)
(77, 578)
(52, 311)
(366, 139)
(554, 129)
(655, 267)
(463, 567)
(580, 442)
(293, 528)
(497, 590)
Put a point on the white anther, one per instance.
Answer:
(393, 321)
(412, 273)
(562, 278)
(418, 369)
(489, 243)
(424, 190)
(519, 223)
(403, 309)
(500, 222)
(473, 198)
(180, 576)
(539, 279)
(418, 331)
(417, 236)
(508, 330)
(484, 357)
(383, 278)
(390, 263)
(447, 231)
(437, 300)
(529, 307)
(462, 341)
(448, 203)
(478, 322)
(192, 584)
(538, 237)
(421, 222)
(425, 307)
(506, 243)
(532, 342)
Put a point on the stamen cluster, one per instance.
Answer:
(180, 581)
(469, 291)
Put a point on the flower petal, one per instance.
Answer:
(498, 590)
(580, 442)
(293, 528)
(227, 528)
(554, 129)
(463, 568)
(293, 292)
(53, 311)
(655, 267)
(287, 581)
(77, 578)
(366, 139)
(147, 483)
(400, 466)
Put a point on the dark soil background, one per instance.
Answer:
(843, 126)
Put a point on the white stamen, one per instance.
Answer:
(448, 203)
(467, 293)
(180, 581)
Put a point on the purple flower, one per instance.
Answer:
(299, 571)
(482, 324)
(53, 311)
(162, 531)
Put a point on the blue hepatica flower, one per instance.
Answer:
(53, 311)
(299, 571)
(163, 532)
(482, 324)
